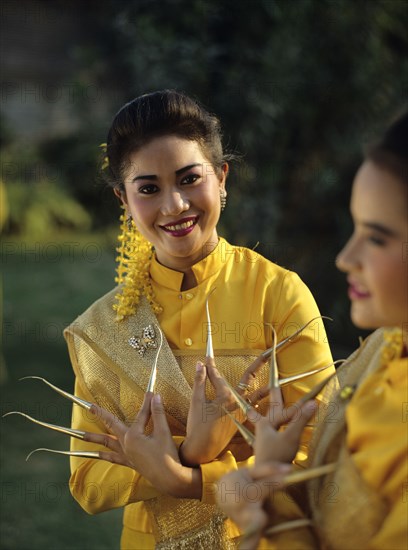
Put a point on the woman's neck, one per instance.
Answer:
(189, 280)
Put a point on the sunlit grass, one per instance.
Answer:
(45, 286)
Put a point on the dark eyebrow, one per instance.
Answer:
(152, 178)
(181, 170)
(178, 172)
(380, 228)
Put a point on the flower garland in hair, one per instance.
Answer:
(105, 162)
(135, 255)
(393, 345)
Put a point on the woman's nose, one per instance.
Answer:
(174, 203)
(348, 258)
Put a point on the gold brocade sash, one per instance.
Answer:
(116, 375)
(343, 506)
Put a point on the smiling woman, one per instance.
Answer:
(173, 194)
(372, 257)
(165, 163)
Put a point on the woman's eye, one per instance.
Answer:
(191, 178)
(148, 189)
(379, 241)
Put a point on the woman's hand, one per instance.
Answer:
(241, 498)
(241, 494)
(274, 445)
(153, 456)
(209, 428)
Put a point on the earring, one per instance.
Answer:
(129, 222)
(223, 199)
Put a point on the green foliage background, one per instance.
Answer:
(300, 86)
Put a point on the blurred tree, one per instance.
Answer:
(299, 86)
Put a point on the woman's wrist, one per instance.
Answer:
(187, 483)
(183, 456)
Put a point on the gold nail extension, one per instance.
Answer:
(82, 454)
(152, 379)
(78, 434)
(290, 479)
(248, 533)
(246, 434)
(305, 475)
(315, 390)
(287, 526)
(209, 351)
(273, 367)
(243, 405)
(290, 379)
(265, 355)
(81, 402)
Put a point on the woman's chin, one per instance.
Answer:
(361, 320)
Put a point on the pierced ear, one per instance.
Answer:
(121, 194)
(225, 170)
(224, 175)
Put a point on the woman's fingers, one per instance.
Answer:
(114, 458)
(300, 417)
(276, 408)
(275, 396)
(142, 418)
(282, 446)
(112, 422)
(199, 384)
(213, 374)
(276, 471)
(161, 426)
(107, 440)
(252, 535)
(223, 393)
(251, 372)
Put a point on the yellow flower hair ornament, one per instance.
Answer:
(105, 162)
(393, 345)
(135, 255)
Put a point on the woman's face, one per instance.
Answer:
(173, 195)
(375, 257)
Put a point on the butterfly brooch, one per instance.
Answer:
(146, 341)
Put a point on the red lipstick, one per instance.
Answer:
(355, 292)
(180, 228)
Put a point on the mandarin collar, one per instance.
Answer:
(205, 268)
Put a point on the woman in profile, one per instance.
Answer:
(362, 444)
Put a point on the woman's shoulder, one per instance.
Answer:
(102, 308)
(366, 359)
(252, 259)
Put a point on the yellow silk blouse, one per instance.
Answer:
(377, 437)
(377, 442)
(251, 294)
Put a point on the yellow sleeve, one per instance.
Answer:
(296, 306)
(308, 351)
(377, 433)
(284, 512)
(98, 485)
(213, 471)
(394, 531)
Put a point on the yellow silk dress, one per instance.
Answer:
(251, 294)
(364, 504)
